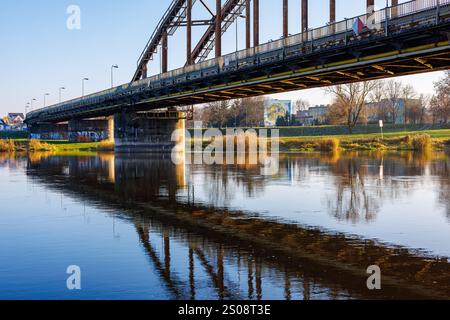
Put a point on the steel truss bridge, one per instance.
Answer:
(402, 39)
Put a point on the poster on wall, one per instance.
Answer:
(273, 109)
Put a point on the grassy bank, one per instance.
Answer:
(425, 140)
(25, 145)
(393, 141)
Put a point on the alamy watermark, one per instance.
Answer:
(374, 281)
(74, 280)
(73, 21)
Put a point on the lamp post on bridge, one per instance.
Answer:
(60, 89)
(31, 103)
(237, 31)
(112, 74)
(45, 99)
(82, 86)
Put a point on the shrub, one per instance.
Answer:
(36, 145)
(328, 145)
(421, 142)
(105, 145)
(7, 146)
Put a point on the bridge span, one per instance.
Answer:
(402, 39)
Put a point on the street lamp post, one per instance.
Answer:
(237, 31)
(112, 74)
(45, 97)
(60, 89)
(82, 85)
(31, 104)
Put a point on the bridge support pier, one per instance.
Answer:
(149, 132)
(48, 131)
(91, 130)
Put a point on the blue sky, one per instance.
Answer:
(38, 54)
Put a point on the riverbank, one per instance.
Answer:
(26, 145)
(393, 141)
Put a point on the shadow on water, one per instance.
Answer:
(158, 197)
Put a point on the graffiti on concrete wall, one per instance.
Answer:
(48, 136)
(88, 136)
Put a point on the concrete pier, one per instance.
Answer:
(49, 131)
(149, 132)
(94, 130)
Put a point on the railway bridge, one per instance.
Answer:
(400, 39)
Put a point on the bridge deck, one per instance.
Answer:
(410, 38)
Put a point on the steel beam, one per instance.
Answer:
(164, 50)
(255, 23)
(248, 35)
(189, 33)
(218, 30)
(332, 11)
(370, 5)
(285, 18)
(394, 11)
(304, 15)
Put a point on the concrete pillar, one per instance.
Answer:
(110, 120)
(91, 130)
(218, 30)
(48, 131)
(143, 132)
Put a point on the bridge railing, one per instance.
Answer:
(376, 20)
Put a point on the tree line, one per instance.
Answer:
(352, 104)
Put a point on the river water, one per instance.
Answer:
(140, 227)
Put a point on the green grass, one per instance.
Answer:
(56, 146)
(440, 139)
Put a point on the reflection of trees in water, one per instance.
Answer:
(223, 182)
(353, 202)
(364, 182)
(441, 169)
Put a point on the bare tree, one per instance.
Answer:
(440, 102)
(350, 100)
(217, 113)
(412, 107)
(377, 96)
(393, 94)
(301, 105)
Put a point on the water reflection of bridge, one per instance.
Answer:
(224, 244)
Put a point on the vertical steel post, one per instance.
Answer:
(255, 23)
(370, 5)
(394, 10)
(218, 30)
(332, 11)
(247, 25)
(305, 18)
(332, 16)
(285, 18)
(189, 32)
(164, 48)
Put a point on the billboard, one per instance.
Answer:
(273, 109)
